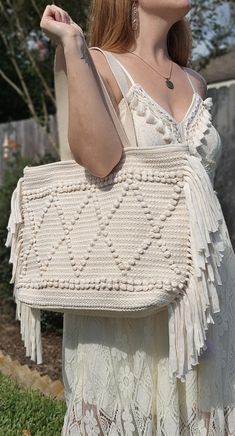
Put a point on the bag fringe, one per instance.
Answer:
(30, 329)
(190, 316)
(29, 317)
(13, 240)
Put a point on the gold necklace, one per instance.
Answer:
(168, 82)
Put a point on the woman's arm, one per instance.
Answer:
(92, 136)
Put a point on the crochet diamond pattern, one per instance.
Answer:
(129, 230)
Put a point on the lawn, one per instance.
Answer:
(26, 412)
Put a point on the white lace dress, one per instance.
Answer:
(115, 370)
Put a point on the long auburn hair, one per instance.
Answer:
(109, 27)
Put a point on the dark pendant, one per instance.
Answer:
(169, 84)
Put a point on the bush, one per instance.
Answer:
(14, 170)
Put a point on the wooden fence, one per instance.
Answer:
(31, 138)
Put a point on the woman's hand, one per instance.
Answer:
(58, 25)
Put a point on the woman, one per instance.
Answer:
(115, 370)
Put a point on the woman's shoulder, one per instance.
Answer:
(198, 80)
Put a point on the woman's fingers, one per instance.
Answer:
(65, 17)
(58, 16)
(62, 12)
(52, 23)
(54, 12)
(61, 15)
(68, 18)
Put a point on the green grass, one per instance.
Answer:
(22, 408)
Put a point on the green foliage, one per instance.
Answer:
(52, 322)
(14, 170)
(21, 40)
(27, 409)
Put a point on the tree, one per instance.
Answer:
(208, 29)
(26, 71)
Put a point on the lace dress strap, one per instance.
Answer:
(190, 81)
(122, 82)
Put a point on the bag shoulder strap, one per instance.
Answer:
(116, 70)
(61, 93)
(122, 82)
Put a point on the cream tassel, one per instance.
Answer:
(198, 138)
(30, 329)
(190, 316)
(29, 317)
(150, 118)
(13, 225)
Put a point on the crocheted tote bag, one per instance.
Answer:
(146, 237)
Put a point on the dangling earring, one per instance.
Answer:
(134, 16)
